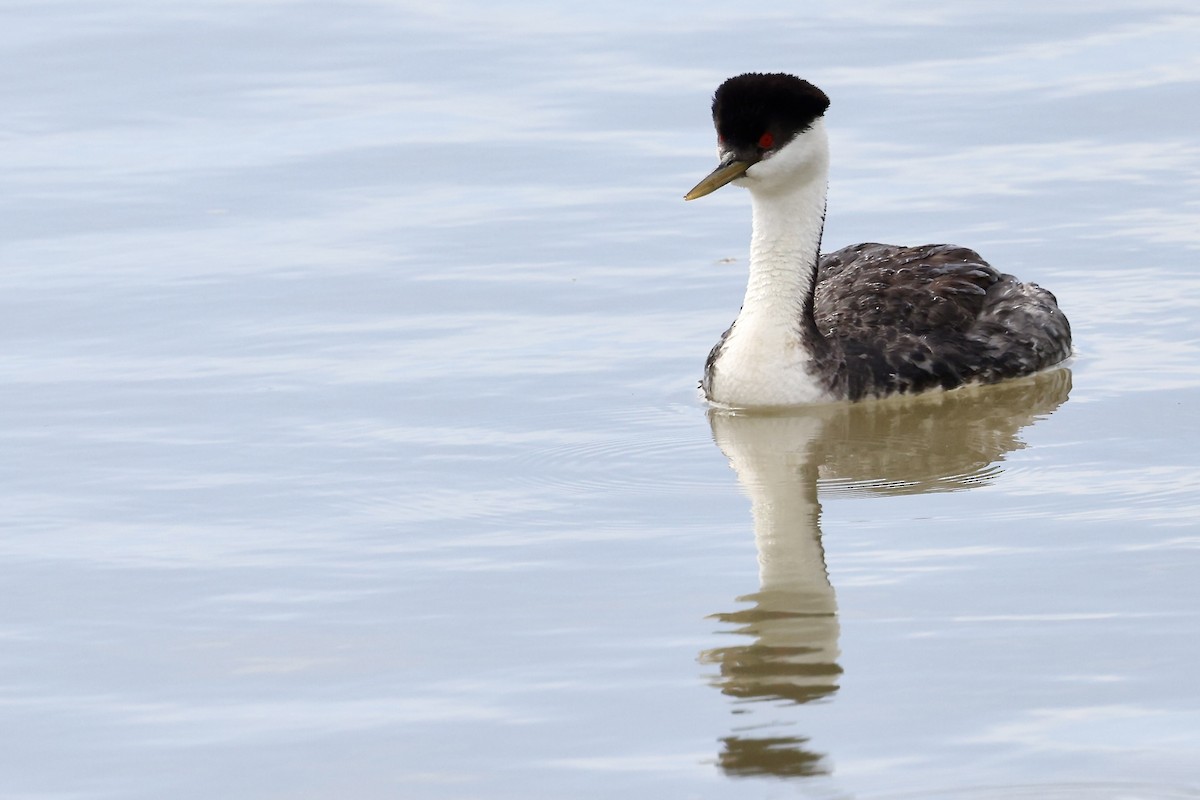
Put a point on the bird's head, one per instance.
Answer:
(769, 132)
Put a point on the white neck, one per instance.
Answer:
(763, 362)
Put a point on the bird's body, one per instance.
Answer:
(896, 320)
(869, 320)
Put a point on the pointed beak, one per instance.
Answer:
(730, 169)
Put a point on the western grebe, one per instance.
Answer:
(869, 320)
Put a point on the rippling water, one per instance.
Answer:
(353, 448)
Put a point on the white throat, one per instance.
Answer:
(763, 361)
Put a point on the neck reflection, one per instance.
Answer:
(787, 652)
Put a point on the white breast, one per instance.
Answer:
(761, 365)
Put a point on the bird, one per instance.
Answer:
(869, 320)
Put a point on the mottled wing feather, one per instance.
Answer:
(1022, 328)
(706, 381)
(905, 319)
(867, 288)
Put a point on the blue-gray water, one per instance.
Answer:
(351, 441)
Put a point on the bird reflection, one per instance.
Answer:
(941, 442)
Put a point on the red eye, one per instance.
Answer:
(766, 141)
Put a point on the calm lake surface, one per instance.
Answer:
(351, 440)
